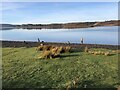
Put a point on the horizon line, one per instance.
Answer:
(63, 23)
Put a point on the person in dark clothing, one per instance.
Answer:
(38, 40)
(81, 40)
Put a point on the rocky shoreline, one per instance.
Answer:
(74, 45)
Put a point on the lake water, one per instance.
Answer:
(95, 35)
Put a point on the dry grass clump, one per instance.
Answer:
(102, 53)
(96, 53)
(46, 54)
(86, 49)
(39, 48)
(67, 49)
(52, 51)
(90, 52)
(116, 51)
(49, 54)
(44, 47)
(107, 54)
(47, 47)
(55, 52)
(64, 49)
(99, 53)
(60, 50)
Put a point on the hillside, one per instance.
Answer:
(64, 25)
(7, 26)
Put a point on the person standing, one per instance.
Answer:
(81, 40)
(38, 40)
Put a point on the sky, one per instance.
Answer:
(57, 12)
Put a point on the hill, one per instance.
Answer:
(63, 25)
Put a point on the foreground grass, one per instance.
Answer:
(22, 68)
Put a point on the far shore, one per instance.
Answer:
(74, 45)
(70, 25)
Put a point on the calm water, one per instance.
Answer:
(95, 35)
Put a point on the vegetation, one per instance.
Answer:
(69, 25)
(22, 67)
(52, 51)
(86, 49)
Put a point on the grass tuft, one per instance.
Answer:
(107, 54)
(46, 54)
(49, 54)
(99, 53)
(39, 48)
(53, 52)
(44, 47)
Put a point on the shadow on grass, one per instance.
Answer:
(69, 55)
(112, 54)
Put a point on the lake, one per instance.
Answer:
(94, 35)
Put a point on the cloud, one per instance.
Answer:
(61, 0)
(35, 13)
(10, 6)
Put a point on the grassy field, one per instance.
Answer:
(22, 68)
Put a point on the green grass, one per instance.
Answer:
(22, 68)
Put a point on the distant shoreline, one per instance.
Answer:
(62, 25)
(35, 44)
